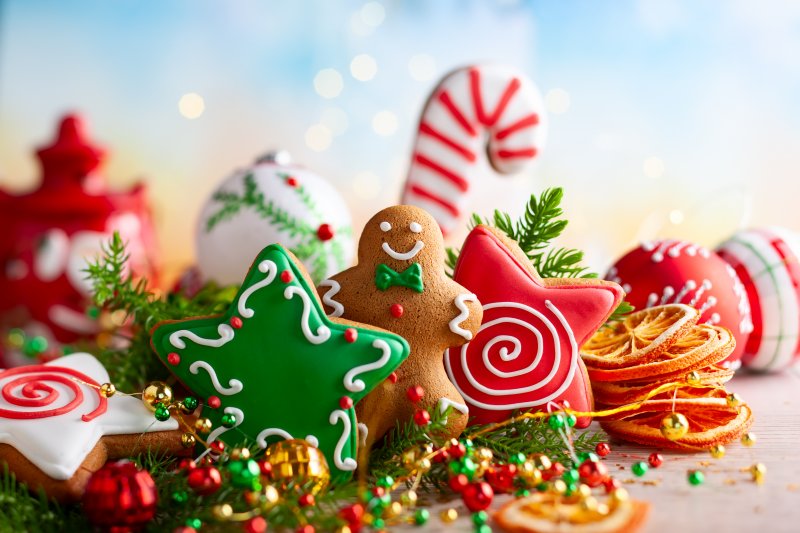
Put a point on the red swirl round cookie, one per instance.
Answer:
(525, 354)
(672, 271)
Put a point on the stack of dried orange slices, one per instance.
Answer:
(661, 360)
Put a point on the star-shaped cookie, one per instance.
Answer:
(280, 366)
(525, 354)
(56, 429)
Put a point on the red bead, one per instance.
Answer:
(477, 496)
(204, 480)
(173, 358)
(602, 449)
(236, 322)
(415, 393)
(187, 464)
(593, 473)
(119, 495)
(217, 447)
(265, 467)
(655, 460)
(345, 402)
(422, 417)
(353, 515)
(393, 377)
(441, 456)
(257, 524)
(458, 483)
(184, 529)
(286, 276)
(554, 471)
(213, 402)
(308, 528)
(291, 181)
(396, 310)
(457, 451)
(501, 477)
(611, 484)
(378, 492)
(350, 335)
(306, 500)
(325, 232)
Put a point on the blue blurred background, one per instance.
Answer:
(670, 117)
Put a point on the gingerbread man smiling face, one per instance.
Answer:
(400, 284)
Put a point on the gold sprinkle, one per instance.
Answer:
(794, 487)
(730, 481)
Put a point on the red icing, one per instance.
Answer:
(291, 181)
(477, 100)
(286, 276)
(236, 322)
(681, 262)
(487, 268)
(36, 392)
(173, 359)
(213, 402)
(397, 310)
(350, 335)
(345, 402)
(325, 232)
(393, 377)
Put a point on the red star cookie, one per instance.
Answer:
(525, 354)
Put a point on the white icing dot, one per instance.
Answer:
(416, 227)
(385, 226)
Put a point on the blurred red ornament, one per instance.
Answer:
(257, 524)
(458, 482)
(121, 497)
(422, 417)
(477, 496)
(205, 480)
(593, 473)
(49, 232)
(501, 477)
(655, 460)
(354, 516)
(415, 393)
(602, 449)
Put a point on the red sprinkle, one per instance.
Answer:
(187, 464)
(217, 446)
(397, 310)
(286, 276)
(306, 500)
(458, 483)
(345, 402)
(325, 232)
(378, 491)
(173, 358)
(655, 460)
(393, 377)
(350, 334)
(236, 322)
(415, 393)
(611, 483)
(422, 417)
(602, 449)
(213, 402)
(291, 181)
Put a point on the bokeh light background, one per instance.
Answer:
(667, 117)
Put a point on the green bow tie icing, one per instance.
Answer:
(411, 277)
(280, 366)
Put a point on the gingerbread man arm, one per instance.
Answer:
(467, 318)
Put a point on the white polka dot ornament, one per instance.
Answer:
(273, 202)
(766, 260)
(673, 271)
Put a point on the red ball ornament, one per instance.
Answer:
(555, 470)
(265, 467)
(205, 480)
(257, 524)
(306, 500)
(422, 417)
(353, 515)
(611, 484)
(119, 495)
(655, 460)
(673, 271)
(415, 393)
(291, 181)
(213, 402)
(308, 528)
(184, 529)
(217, 447)
(477, 496)
(457, 451)
(602, 449)
(593, 473)
(441, 456)
(378, 492)
(501, 477)
(187, 464)
(458, 483)
(325, 232)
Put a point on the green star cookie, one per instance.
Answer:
(279, 365)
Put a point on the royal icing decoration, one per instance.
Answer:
(54, 415)
(284, 371)
(525, 354)
(462, 316)
(767, 261)
(673, 271)
(470, 107)
(269, 202)
(337, 309)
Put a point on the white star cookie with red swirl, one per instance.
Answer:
(56, 429)
(525, 354)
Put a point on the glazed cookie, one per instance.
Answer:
(400, 284)
(56, 429)
(274, 367)
(525, 354)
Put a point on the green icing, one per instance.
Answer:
(284, 380)
(411, 277)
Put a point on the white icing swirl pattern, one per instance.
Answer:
(323, 333)
(270, 269)
(225, 336)
(463, 315)
(348, 463)
(327, 298)
(356, 385)
(234, 385)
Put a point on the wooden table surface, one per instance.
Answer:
(728, 501)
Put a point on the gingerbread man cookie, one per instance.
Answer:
(400, 284)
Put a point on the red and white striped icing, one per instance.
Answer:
(471, 108)
(766, 260)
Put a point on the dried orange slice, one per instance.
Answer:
(622, 393)
(641, 337)
(552, 513)
(701, 345)
(711, 421)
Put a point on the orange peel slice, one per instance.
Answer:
(622, 393)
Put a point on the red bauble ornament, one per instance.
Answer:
(477, 496)
(306, 500)
(354, 516)
(458, 483)
(673, 271)
(49, 232)
(119, 495)
(593, 473)
(308, 528)
(602, 449)
(457, 451)
(501, 477)
(555, 470)
(325, 232)
(415, 393)
(611, 484)
(266, 468)
(187, 464)
(655, 460)
(205, 480)
(257, 524)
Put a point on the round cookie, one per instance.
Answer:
(269, 202)
(400, 284)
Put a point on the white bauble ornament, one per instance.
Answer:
(273, 202)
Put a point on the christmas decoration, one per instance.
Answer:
(673, 271)
(296, 462)
(49, 233)
(120, 496)
(767, 260)
(273, 202)
(276, 366)
(490, 109)
(525, 354)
